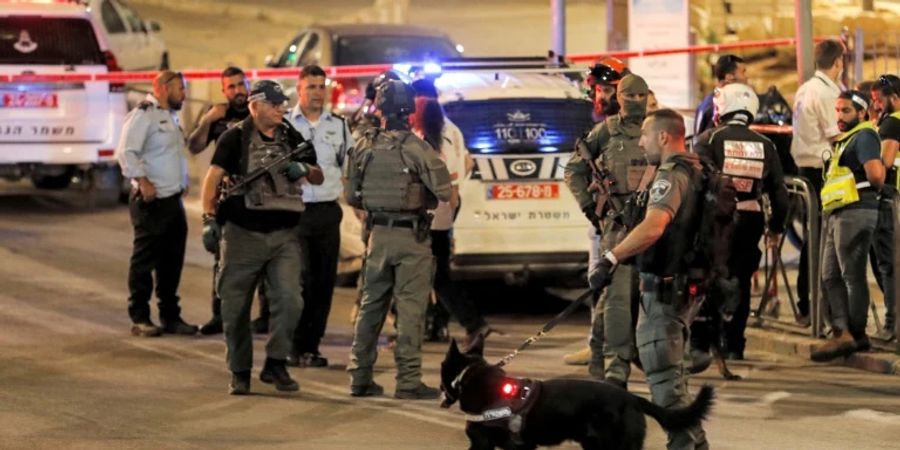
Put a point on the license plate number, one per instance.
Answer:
(523, 191)
(29, 100)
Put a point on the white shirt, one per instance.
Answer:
(331, 138)
(453, 154)
(815, 120)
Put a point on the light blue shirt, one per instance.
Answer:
(332, 140)
(152, 145)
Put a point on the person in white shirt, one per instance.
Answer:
(815, 128)
(432, 126)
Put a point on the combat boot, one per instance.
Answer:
(240, 383)
(420, 392)
(214, 326)
(275, 372)
(178, 326)
(372, 389)
(580, 358)
(842, 344)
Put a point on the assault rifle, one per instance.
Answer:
(269, 167)
(601, 178)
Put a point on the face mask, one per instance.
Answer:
(847, 126)
(611, 106)
(635, 110)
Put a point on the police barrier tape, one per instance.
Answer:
(338, 72)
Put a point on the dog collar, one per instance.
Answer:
(503, 412)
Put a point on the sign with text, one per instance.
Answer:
(662, 24)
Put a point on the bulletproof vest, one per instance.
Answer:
(741, 153)
(273, 192)
(387, 183)
(621, 155)
(668, 256)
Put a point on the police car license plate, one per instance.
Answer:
(29, 100)
(523, 191)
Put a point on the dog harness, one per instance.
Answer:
(517, 397)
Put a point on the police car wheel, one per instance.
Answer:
(52, 181)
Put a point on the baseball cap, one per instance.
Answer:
(269, 91)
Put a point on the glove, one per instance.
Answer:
(601, 273)
(212, 233)
(295, 170)
(590, 212)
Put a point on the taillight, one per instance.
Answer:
(346, 95)
(112, 65)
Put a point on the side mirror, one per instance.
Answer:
(270, 61)
(153, 26)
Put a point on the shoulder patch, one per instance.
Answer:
(659, 190)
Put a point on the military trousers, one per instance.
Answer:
(883, 251)
(399, 267)
(663, 329)
(612, 328)
(248, 256)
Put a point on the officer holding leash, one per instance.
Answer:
(752, 160)
(396, 177)
(663, 239)
(257, 224)
(605, 171)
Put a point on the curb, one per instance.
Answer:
(782, 343)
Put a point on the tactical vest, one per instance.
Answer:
(621, 155)
(273, 192)
(386, 182)
(842, 186)
(744, 159)
(668, 256)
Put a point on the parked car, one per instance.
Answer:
(137, 43)
(57, 132)
(361, 44)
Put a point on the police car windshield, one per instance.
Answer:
(366, 49)
(44, 40)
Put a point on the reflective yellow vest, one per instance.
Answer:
(841, 188)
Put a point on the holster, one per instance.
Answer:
(423, 227)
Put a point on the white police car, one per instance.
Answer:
(51, 131)
(518, 220)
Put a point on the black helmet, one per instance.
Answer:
(372, 87)
(395, 98)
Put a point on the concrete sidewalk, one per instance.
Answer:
(785, 343)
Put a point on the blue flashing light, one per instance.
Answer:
(403, 68)
(549, 149)
(432, 68)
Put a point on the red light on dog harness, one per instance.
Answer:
(510, 389)
(693, 290)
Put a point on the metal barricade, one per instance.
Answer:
(802, 191)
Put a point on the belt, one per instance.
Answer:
(395, 223)
(319, 204)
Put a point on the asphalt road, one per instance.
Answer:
(73, 377)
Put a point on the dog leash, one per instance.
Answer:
(547, 327)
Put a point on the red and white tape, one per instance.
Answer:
(338, 72)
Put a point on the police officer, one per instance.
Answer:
(663, 239)
(219, 118)
(257, 226)
(395, 176)
(151, 153)
(752, 162)
(613, 145)
(365, 118)
(886, 98)
(854, 177)
(320, 225)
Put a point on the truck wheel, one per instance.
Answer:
(52, 181)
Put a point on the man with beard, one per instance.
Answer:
(850, 201)
(886, 101)
(151, 154)
(217, 120)
(614, 148)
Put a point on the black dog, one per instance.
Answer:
(513, 413)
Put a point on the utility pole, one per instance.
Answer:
(558, 28)
(804, 39)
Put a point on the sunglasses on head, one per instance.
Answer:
(890, 82)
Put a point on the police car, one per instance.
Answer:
(518, 221)
(54, 132)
